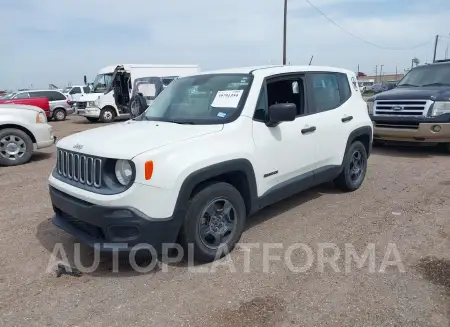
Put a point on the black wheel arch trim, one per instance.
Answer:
(215, 170)
(364, 130)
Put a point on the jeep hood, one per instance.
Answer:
(131, 138)
(415, 93)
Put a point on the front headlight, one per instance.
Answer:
(440, 108)
(41, 118)
(91, 104)
(124, 172)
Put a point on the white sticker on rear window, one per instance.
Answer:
(227, 99)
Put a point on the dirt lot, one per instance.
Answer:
(405, 200)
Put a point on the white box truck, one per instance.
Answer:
(112, 89)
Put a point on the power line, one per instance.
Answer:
(358, 37)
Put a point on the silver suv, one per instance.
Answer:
(60, 105)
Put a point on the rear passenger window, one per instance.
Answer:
(38, 94)
(86, 89)
(55, 96)
(325, 91)
(344, 87)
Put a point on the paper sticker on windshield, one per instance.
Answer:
(227, 99)
(221, 115)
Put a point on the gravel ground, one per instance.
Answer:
(404, 201)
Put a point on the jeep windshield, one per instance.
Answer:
(429, 75)
(201, 99)
(101, 82)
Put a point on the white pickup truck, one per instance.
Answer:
(75, 92)
(23, 128)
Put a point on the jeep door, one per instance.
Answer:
(330, 95)
(287, 153)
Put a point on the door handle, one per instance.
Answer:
(308, 130)
(346, 119)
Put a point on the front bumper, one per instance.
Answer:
(89, 112)
(409, 129)
(44, 136)
(112, 228)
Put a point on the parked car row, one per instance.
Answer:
(23, 128)
(59, 105)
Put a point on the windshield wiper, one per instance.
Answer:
(437, 84)
(406, 84)
(181, 122)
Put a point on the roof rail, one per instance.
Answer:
(442, 60)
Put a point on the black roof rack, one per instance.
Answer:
(441, 60)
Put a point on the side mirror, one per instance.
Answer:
(280, 112)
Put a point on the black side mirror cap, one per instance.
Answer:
(281, 112)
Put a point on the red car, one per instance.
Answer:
(38, 102)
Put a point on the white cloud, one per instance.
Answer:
(58, 42)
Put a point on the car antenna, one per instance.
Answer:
(310, 61)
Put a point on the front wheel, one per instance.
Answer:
(16, 147)
(107, 115)
(214, 222)
(354, 168)
(59, 115)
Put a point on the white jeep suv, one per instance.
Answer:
(211, 150)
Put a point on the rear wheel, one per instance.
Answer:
(214, 222)
(92, 120)
(355, 167)
(107, 115)
(59, 114)
(16, 147)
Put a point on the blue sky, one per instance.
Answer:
(48, 41)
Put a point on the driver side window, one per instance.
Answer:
(290, 89)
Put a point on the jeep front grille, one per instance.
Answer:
(401, 107)
(79, 168)
(81, 105)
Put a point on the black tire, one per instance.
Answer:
(107, 115)
(447, 147)
(59, 114)
(348, 180)
(138, 105)
(21, 140)
(92, 119)
(190, 236)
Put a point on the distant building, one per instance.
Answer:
(382, 78)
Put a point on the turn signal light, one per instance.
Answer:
(148, 169)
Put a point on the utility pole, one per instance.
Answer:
(376, 73)
(435, 47)
(284, 32)
(381, 72)
(357, 75)
(396, 73)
